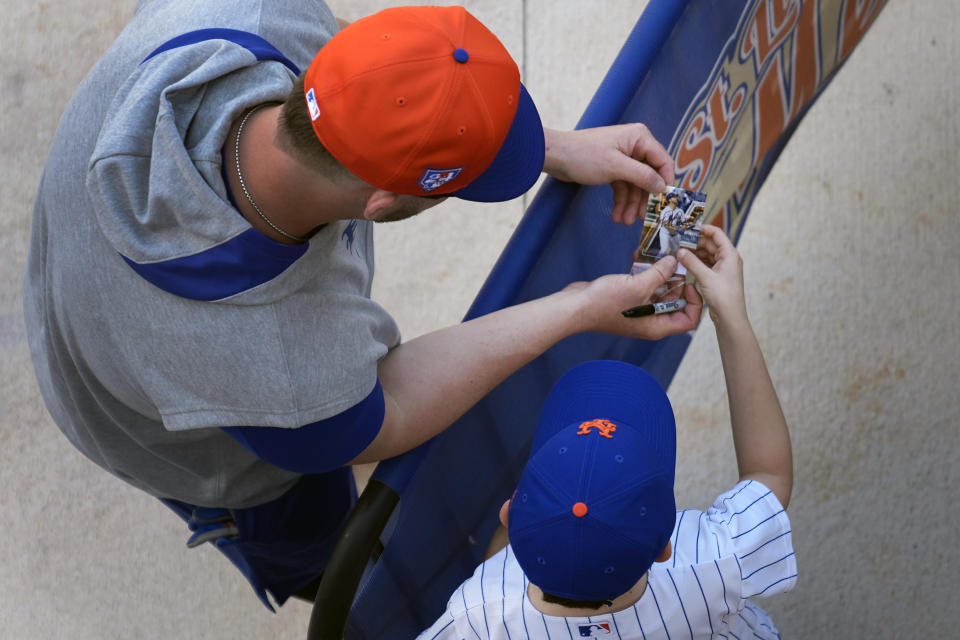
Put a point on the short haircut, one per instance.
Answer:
(295, 135)
(575, 604)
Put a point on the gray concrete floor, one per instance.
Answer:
(852, 270)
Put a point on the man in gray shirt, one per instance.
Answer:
(197, 291)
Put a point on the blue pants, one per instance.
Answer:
(282, 545)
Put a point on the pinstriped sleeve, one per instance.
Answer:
(749, 524)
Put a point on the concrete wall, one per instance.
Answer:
(852, 270)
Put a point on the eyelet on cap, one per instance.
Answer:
(643, 511)
(386, 36)
(618, 458)
(461, 130)
(541, 561)
(562, 450)
(401, 101)
(461, 55)
(609, 570)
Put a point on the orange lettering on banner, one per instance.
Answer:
(696, 152)
(772, 23)
(720, 111)
(856, 16)
(707, 132)
(771, 107)
(780, 98)
(806, 57)
(769, 71)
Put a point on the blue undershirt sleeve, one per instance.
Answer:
(319, 446)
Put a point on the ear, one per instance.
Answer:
(378, 201)
(504, 511)
(666, 553)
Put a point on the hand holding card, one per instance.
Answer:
(673, 220)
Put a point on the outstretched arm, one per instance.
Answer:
(760, 435)
(626, 156)
(432, 380)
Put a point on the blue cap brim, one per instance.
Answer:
(519, 162)
(615, 391)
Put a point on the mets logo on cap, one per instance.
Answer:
(595, 630)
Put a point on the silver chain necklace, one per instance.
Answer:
(243, 185)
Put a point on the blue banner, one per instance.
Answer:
(723, 83)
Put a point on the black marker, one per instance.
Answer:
(655, 309)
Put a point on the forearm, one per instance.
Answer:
(760, 435)
(555, 150)
(432, 380)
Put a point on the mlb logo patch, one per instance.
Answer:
(435, 178)
(312, 105)
(595, 630)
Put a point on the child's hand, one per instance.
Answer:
(719, 270)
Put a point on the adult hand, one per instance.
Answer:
(605, 298)
(626, 156)
(718, 268)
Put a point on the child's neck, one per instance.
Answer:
(619, 603)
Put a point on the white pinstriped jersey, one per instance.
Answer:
(739, 548)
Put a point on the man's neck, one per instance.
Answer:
(619, 603)
(292, 196)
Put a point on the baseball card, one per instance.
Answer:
(673, 220)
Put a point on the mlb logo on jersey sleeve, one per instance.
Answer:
(436, 178)
(595, 630)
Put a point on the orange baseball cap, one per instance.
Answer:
(426, 101)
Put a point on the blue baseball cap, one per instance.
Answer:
(594, 507)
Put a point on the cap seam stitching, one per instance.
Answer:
(343, 85)
(433, 126)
